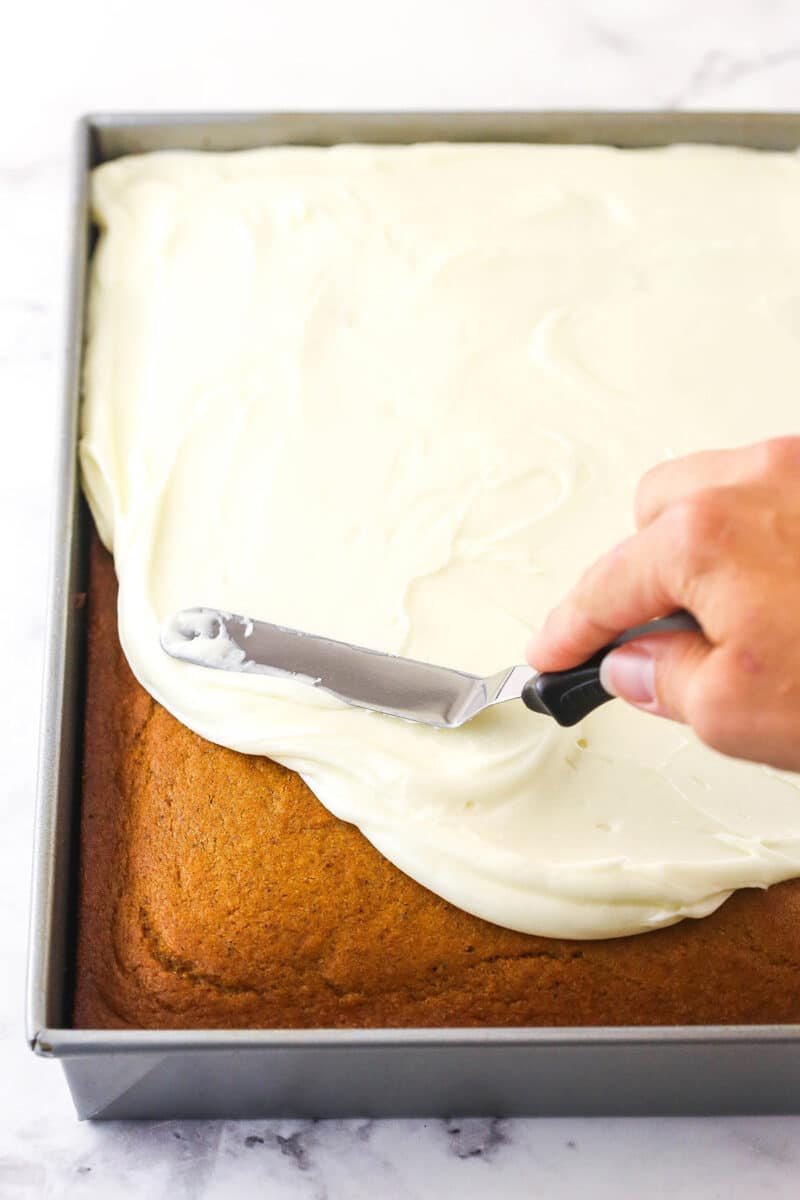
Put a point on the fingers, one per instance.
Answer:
(659, 673)
(719, 535)
(734, 703)
(643, 578)
(679, 478)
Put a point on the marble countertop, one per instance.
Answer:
(106, 54)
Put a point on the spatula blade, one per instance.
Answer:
(386, 683)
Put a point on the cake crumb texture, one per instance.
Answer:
(216, 892)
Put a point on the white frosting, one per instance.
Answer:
(401, 397)
(199, 634)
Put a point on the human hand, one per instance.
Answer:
(718, 533)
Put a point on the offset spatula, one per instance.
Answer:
(399, 687)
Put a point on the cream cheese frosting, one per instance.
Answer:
(401, 396)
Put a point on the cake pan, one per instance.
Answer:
(319, 1073)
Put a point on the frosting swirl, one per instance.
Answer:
(401, 397)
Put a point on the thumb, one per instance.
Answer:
(656, 673)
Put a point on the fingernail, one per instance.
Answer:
(631, 675)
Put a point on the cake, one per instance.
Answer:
(216, 892)
(401, 396)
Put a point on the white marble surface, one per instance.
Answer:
(62, 59)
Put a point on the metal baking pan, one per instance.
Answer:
(376, 1072)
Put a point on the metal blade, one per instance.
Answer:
(400, 687)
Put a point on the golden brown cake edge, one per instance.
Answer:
(216, 892)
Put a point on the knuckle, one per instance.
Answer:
(710, 711)
(712, 725)
(698, 520)
(778, 455)
(644, 492)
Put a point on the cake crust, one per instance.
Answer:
(216, 892)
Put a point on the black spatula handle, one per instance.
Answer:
(569, 696)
